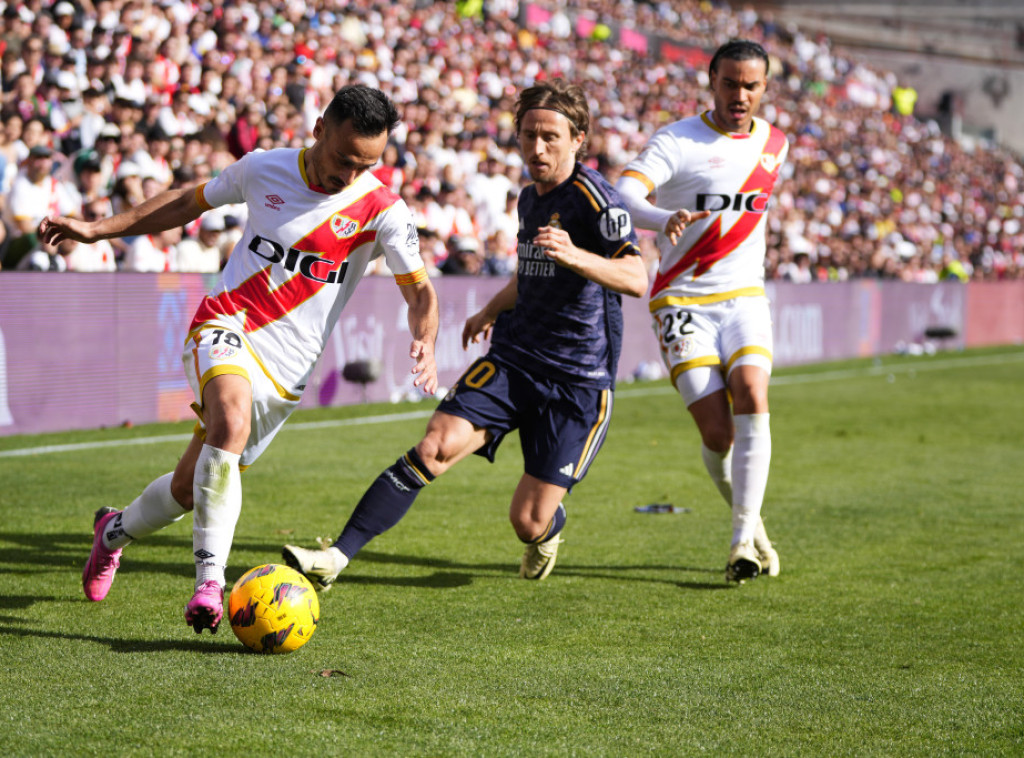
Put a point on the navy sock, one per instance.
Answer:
(557, 522)
(385, 503)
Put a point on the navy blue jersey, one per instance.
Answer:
(564, 326)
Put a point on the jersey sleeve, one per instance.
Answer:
(616, 236)
(228, 187)
(617, 232)
(656, 163)
(401, 244)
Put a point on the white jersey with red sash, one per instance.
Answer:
(695, 165)
(300, 258)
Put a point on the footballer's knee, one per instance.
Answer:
(526, 525)
(717, 437)
(230, 431)
(437, 450)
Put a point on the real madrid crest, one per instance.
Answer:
(555, 222)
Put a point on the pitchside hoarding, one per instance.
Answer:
(81, 351)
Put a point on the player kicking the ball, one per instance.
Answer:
(316, 218)
(556, 333)
(708, 302)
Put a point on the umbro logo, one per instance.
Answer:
(202, 554)
(274, 202)
(567, 469)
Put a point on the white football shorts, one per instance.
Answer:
(214, 350)
(702, 344)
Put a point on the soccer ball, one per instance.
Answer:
(273, 609)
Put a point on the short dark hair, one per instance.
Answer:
(739, 50)
(369, 109)
(562, 97)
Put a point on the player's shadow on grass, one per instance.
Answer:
(448, 574)
(623, 574)
(120, 645)
(72, 550)
(439, 580)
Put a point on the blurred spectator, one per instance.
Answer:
(127, 191)
(464, 257)
(88, 170)
(489, 191)
(245, 132)
(43, 258)
(153, 252)
(99, 256)
(432, 249)
(500, 258)
(202, 253)
(178, 118)
(862, 168)
(388, 172)
(36, 192)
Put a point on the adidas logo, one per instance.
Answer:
(567, 469)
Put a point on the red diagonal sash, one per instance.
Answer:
(712, 246)
(263, 304)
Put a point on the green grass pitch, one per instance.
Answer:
(895, 629)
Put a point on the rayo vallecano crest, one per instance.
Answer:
(769, 162)
(343, 226)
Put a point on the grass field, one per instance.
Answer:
(895, 629)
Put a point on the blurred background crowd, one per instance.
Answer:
(106, 102)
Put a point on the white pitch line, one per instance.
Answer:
(662, 389)
(72, 447)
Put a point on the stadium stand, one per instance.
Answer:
(133, 95)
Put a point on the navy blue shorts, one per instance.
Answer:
(561, 426)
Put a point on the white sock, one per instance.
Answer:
(719, 466)
(217, 491)
(150, 512)
(751, 458)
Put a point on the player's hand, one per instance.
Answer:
(425, 367)
(478, 327)
(557, 245)
(680, 220)
(53, 230)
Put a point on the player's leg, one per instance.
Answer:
(719, 467)
(537, 515)
(216, 491)
(747, 344)
(563, 427)
(472, 418)
(688, 337)
(715, 423)
(752, 452)
(113, 530)
(448, 440)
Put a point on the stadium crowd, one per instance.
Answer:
(105, 102)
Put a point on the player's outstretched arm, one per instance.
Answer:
(646, 215)
(423, 321)
(478, 326)
(626, 275)
(169, 209)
